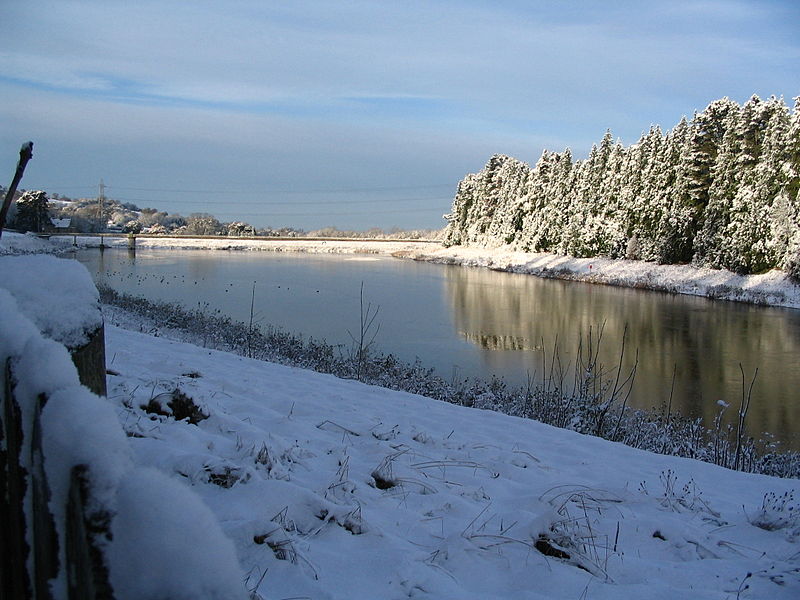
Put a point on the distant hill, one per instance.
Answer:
(85, 216)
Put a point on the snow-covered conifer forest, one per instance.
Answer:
(719, 190)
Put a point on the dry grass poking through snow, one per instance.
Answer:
(590, 404)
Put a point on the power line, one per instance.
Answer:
(270, 203)
(263, 191)
(284, 202)
(330, 214)
(67, 187)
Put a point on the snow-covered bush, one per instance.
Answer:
(238, 229)
(132, 227)
(156, 229)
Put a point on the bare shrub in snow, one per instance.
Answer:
(777, 512)
(680, 498)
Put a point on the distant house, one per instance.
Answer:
(60, 225)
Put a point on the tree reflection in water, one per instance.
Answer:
(518, 320)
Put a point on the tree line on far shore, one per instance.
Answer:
(719, 190)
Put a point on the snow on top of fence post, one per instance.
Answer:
(58, 295)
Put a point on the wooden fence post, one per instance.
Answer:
(45, 538)
(15, 578)
(25, 154)
(6, 547)
(87, 574)
(90, 361)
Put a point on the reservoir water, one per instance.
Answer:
(470, 322)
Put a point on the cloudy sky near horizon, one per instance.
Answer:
(356, 113)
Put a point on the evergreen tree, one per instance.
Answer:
(754, 243)
(32, 212)
(721, 190)
(559, 194)
(707, 133)
(532, 212)
(790, 196)
(642, 210)
(674, 233)
(710, 242)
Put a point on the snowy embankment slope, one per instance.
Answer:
(333, 489)
(772, 288)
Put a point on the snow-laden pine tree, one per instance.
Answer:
(638, 195)
(707, 132)
(736, 233)
(546, 229)
(787, 222)
(753, 245)
(721, 190)
(674, 233)
(32, 212)
(710, 242)
(530, 219)
(483, 198)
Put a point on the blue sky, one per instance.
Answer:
(356, 113)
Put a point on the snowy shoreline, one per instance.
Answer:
(768, 289)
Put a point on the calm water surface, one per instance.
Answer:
(474, 322)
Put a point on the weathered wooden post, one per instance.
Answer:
(45, 538)
(87, 574)
(14, 577)
(90, 361)
(25, 154)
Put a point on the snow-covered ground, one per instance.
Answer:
(17, 243)
(333, 489)
(330, 488)
(772, 288)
